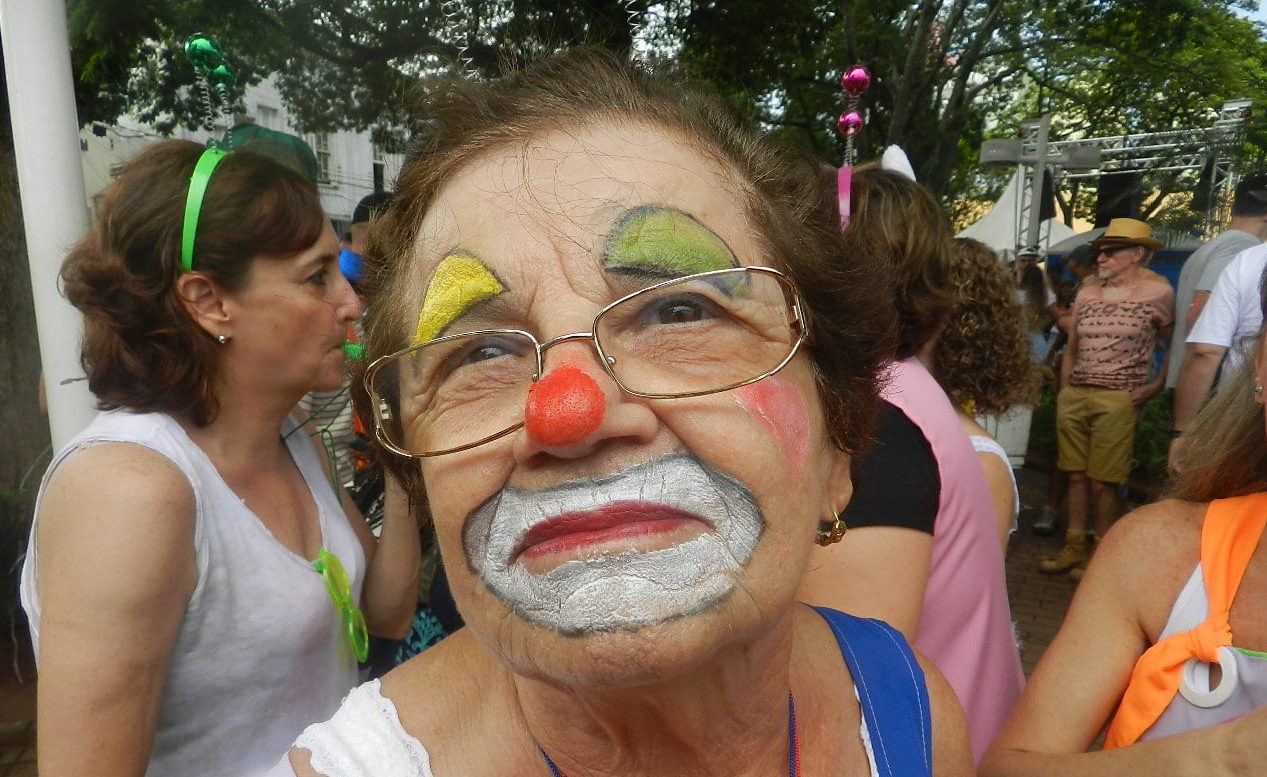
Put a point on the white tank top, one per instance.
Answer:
(261, 652)
(1246, 692)
(983, 444)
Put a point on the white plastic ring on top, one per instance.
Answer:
(1192, 690)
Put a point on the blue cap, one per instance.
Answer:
(350, 265)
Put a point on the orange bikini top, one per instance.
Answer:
(1230, 532)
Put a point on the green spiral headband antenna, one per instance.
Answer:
(214, 75)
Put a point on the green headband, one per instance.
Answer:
(198, 181)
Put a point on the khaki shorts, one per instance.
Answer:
(1095, 432)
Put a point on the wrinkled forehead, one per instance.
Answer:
(557, 199)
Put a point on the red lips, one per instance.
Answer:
(618, 520)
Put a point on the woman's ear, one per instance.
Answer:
(840, 490)
(204, 300)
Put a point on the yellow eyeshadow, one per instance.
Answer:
(459, 282)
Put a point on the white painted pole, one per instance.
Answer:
(54, 207)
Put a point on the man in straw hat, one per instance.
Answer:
(1120, 318)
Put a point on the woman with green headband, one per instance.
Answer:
(198, 587)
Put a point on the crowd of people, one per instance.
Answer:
(673, 475)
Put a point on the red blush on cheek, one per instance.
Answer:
(564, 407)
(779, 406)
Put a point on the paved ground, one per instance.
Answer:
(1038, 601)
(17, 711)
(1038, 606)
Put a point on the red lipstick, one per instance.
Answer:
(616, 521)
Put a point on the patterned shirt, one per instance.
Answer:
(1116, 338)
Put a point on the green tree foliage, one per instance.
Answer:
(934, 64)
(946, 73)
(354, 64)
(1109, 68)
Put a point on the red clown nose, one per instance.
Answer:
(564, 407)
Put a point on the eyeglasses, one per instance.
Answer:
(1111, 250)
(699, 334)
(336, 580)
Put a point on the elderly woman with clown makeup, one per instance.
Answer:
(621, 361)
(197, 588)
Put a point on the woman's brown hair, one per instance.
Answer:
(982, 357)
(141, 350)
(850, 323)
(1034, 286)
(897, 218)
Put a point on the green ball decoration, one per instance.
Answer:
(203, 51)
(222, 76)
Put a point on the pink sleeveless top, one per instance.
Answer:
(965, 627)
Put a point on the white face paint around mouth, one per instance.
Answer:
(628, 589)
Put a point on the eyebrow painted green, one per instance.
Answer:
(665, 242)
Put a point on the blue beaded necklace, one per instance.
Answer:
(793, 746)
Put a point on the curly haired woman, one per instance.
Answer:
(982, 360)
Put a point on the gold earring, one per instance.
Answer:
(835, 531)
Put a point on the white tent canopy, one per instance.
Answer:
(998, 227)
(1183, 243)
(1073, 241)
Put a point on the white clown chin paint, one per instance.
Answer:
(627, 589)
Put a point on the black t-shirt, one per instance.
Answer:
(896, 483)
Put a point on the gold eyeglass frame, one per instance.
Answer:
(608, 362)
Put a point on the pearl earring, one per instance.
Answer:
(222, 339)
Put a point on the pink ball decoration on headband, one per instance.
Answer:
(850, 124)
(853, 82)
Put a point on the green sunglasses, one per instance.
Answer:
(336, 580)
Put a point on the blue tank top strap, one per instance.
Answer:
(891, 693)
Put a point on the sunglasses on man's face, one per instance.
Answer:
(1111, 250)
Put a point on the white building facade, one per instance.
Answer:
(349, 165)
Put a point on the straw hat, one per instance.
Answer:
(1127, 232)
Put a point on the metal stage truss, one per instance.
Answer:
(1216, 149)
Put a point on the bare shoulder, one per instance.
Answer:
(970, 426)
(952, 751)
(432, 695)
(1142, 563)
(300, 764)
(996, 469)
(118, 487)
(1169, 530)
(940, 695)
(108, 508)
(432, 691)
